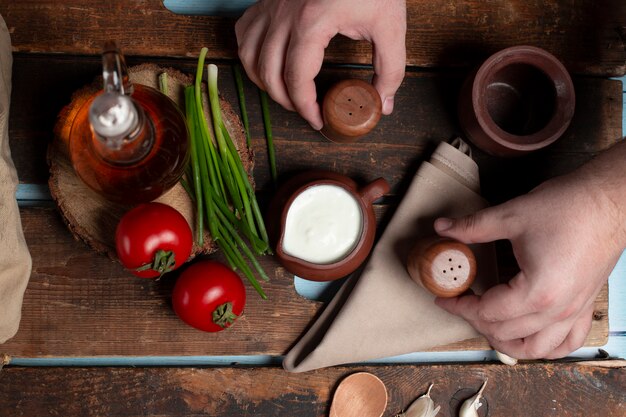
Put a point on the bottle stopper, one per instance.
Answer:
(443, 266)
(350, 109)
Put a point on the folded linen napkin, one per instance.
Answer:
(382, 312)
(15, 260)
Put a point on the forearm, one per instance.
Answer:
(605, 177)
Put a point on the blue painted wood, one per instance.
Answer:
(616, 348)
(32, 193)
(229, 8)
(617, 299)
(258, 360)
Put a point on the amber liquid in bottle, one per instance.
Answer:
(148, 163)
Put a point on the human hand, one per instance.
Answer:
(567, 235)
(282, 42)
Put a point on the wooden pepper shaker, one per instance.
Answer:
(444, 266)
(351, 109)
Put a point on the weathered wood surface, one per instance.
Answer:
(587, 35)
(73, 288)
(527, 390)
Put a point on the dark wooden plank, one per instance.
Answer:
(425, 114)
(528, 390)
(81, 304)
(587, 35)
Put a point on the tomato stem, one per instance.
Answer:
(162, 263)
(223, 315)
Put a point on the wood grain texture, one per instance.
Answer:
(81, 304)
(526, 390)
(588, 36)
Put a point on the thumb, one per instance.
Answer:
(483, 226)
(389, 60)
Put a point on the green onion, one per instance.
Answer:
(232, 163)
(163, 87)
(222, 191)
(215, 175)
(268, 135)
(242, 102)
(195, 165)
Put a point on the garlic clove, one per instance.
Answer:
(469, 407)
(506, 359)
(424, 406)
(435, 411)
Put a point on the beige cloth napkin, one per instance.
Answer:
(382, 312)
(15, 261)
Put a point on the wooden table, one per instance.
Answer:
(81, 309)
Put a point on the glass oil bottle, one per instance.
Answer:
(129, 143)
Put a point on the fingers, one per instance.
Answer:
(272, 63)
(498, 304)
(524, 334)
(389, 60)
(483, 226)
(576, 337)
(250, 37)
(536, 346)
(281, 46)
(553, 342)
(304, 61)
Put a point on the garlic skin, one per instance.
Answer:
(506, 359)
(424, 406)
(469, 407)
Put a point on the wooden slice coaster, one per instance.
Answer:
(89, 216)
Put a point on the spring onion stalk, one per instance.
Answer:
(255, 205)
(215, 175)
(268, 135)
(224, 197)
(242, 102)
(227, 156)
(195, 166)
(163, 87)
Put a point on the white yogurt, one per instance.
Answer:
(323, 225)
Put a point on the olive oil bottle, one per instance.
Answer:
(129, 143)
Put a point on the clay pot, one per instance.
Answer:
(364, 197)
(351, 109)
(520, 99)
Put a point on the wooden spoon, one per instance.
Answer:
(359, 395)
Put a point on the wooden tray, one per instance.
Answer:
(81, 304)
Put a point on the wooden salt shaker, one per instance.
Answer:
(351, 109)
(444, 266)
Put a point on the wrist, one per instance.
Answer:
(605, 179)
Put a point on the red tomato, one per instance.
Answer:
(153, 239)
(208, 296)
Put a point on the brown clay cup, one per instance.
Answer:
(364, 196)
(521, 99)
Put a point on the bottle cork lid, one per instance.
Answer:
(443, 266)
(351, 109)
